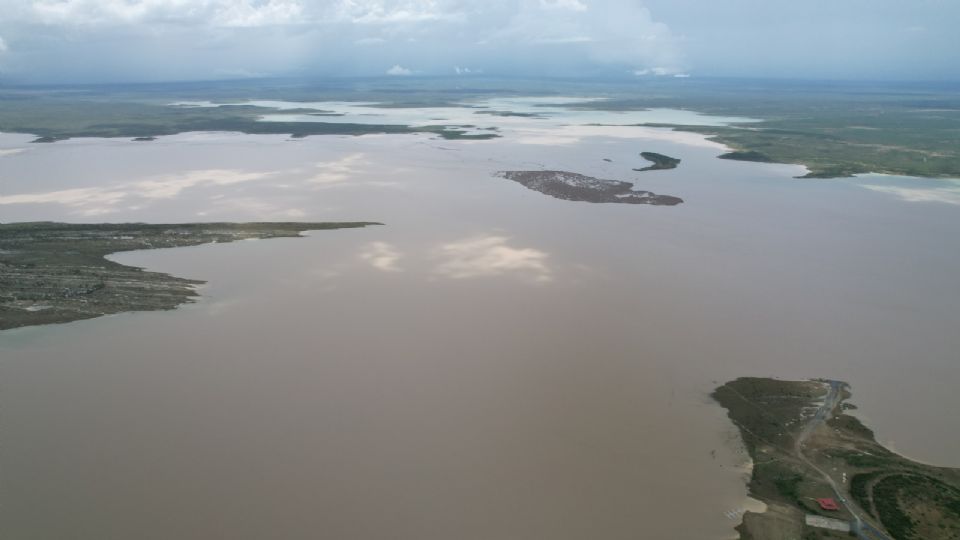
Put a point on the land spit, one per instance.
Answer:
(56, 272)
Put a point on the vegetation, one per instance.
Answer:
(577, 187)
(660, 162)
(834, 129)
(910, 500)
(56, 272)
(54, 116)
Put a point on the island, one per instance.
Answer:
(822, 474)
(660, 162)
(571, 186)
(57, 272)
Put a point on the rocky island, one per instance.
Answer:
(578, 187)
(56, 272)
(822, 473)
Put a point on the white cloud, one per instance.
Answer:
(399, 70)
(169, 186)
(564, 39)
(370, 41)
(491, 256)
(660, 71)
(256, 207)
(3, 45)
(69, 197)
(382, 256)
(103, 200)
(184, 39)
(948, 195)
(573, 5)
(393, 12)
(336, 171)
(227, 13)
(466, 71)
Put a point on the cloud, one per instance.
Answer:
(393, 12)
(382, 256)
(223, 13)
(947, 195)
(399, 70)
(370, 41)
(466, 71)
(249, 206)
(491, 256)
(169, 186)
(58, 40)
(573, 5)
(659, 71)
(102, 200)
(80, 197)
(337, 171)
(3, 45)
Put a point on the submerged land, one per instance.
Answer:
(57, 272)
(571, 186)
(805, 446)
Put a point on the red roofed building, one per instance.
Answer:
(828, 504)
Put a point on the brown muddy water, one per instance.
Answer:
(491, 363)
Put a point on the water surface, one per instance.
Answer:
(492, 363)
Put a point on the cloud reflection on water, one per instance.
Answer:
(948, 195)
(382, 256)
(490, 256)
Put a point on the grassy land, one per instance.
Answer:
(54, 116)
(835, 129)
(910, 500)
(56, 272)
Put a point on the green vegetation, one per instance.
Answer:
(56, 272)
(791, 456)
(54, 116)
(660, 162)
(834, 129)
(510, 114)
(751, 155)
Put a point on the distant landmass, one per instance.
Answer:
(56, 272)
(571, 186)
(833, 129)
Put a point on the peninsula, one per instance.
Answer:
(660, 162)
(822, 473)
(57, 272)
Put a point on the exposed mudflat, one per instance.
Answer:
(578, 187)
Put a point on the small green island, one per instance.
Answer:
(822, 474)
(660, 162)
(57, 272)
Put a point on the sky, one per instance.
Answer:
(86, 41)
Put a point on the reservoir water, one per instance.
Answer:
(490, 363)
